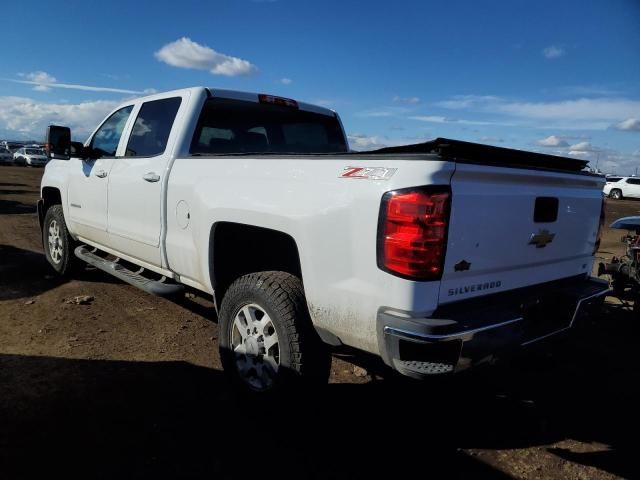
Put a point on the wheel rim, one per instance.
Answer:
(55, 242)
(255, 346)
(616, 194)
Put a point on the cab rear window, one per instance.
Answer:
(232, 126)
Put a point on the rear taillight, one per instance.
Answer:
(600, 225)
(412, 233)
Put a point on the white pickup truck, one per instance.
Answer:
(433, 256)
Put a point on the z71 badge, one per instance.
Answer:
(368, 173)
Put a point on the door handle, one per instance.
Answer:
(151, 177)
(101, 174)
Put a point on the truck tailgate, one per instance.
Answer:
(512, 227)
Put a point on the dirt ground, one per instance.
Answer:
(130, 386)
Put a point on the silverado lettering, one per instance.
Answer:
(474, 288)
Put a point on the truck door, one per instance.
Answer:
(137, 181)
(89, 178)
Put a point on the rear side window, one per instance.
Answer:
(613, 179)
(633, 181)
(234, 126)
(151, 131)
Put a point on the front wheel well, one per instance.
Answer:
(237, 249)
(50, 197)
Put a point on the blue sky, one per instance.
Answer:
(559, 77)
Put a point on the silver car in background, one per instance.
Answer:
(6, 157)
(32, 157)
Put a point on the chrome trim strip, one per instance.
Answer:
(537, 339)
(602, 292)
(575, 314)
(426, 337)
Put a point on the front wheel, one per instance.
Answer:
(615, 194)
(58, 244)
(267, 341)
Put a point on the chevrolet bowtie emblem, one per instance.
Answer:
(541, 239)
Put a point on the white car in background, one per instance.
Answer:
(6, 157)
(621, 187)
(32, 157)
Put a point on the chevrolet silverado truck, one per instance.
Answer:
(434, 256)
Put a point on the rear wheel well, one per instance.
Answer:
(237, 249)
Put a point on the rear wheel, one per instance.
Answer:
(267, 341)
(58, 244)
(616, 193)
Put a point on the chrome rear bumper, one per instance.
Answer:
(461, 335)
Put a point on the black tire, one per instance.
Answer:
(304, 360)
(616, 193)
(63, 260)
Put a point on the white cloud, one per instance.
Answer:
(576, 114)
(586, 90)
(185, 53)
(441, 119)
(358, 141)
(286, 81)
(362, 142)
(40, 80)
(40, 77)
(433, 118)
(553, 51)
(458, 102)
(25, 117)
(406, 100)
(378, 113)
(89, 88)
(602, 109)
(630, 124)
(43, 82)
(553, 141)
(583, 147)
(606, 160)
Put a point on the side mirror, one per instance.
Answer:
(58, 142)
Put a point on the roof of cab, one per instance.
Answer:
(236, 95)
